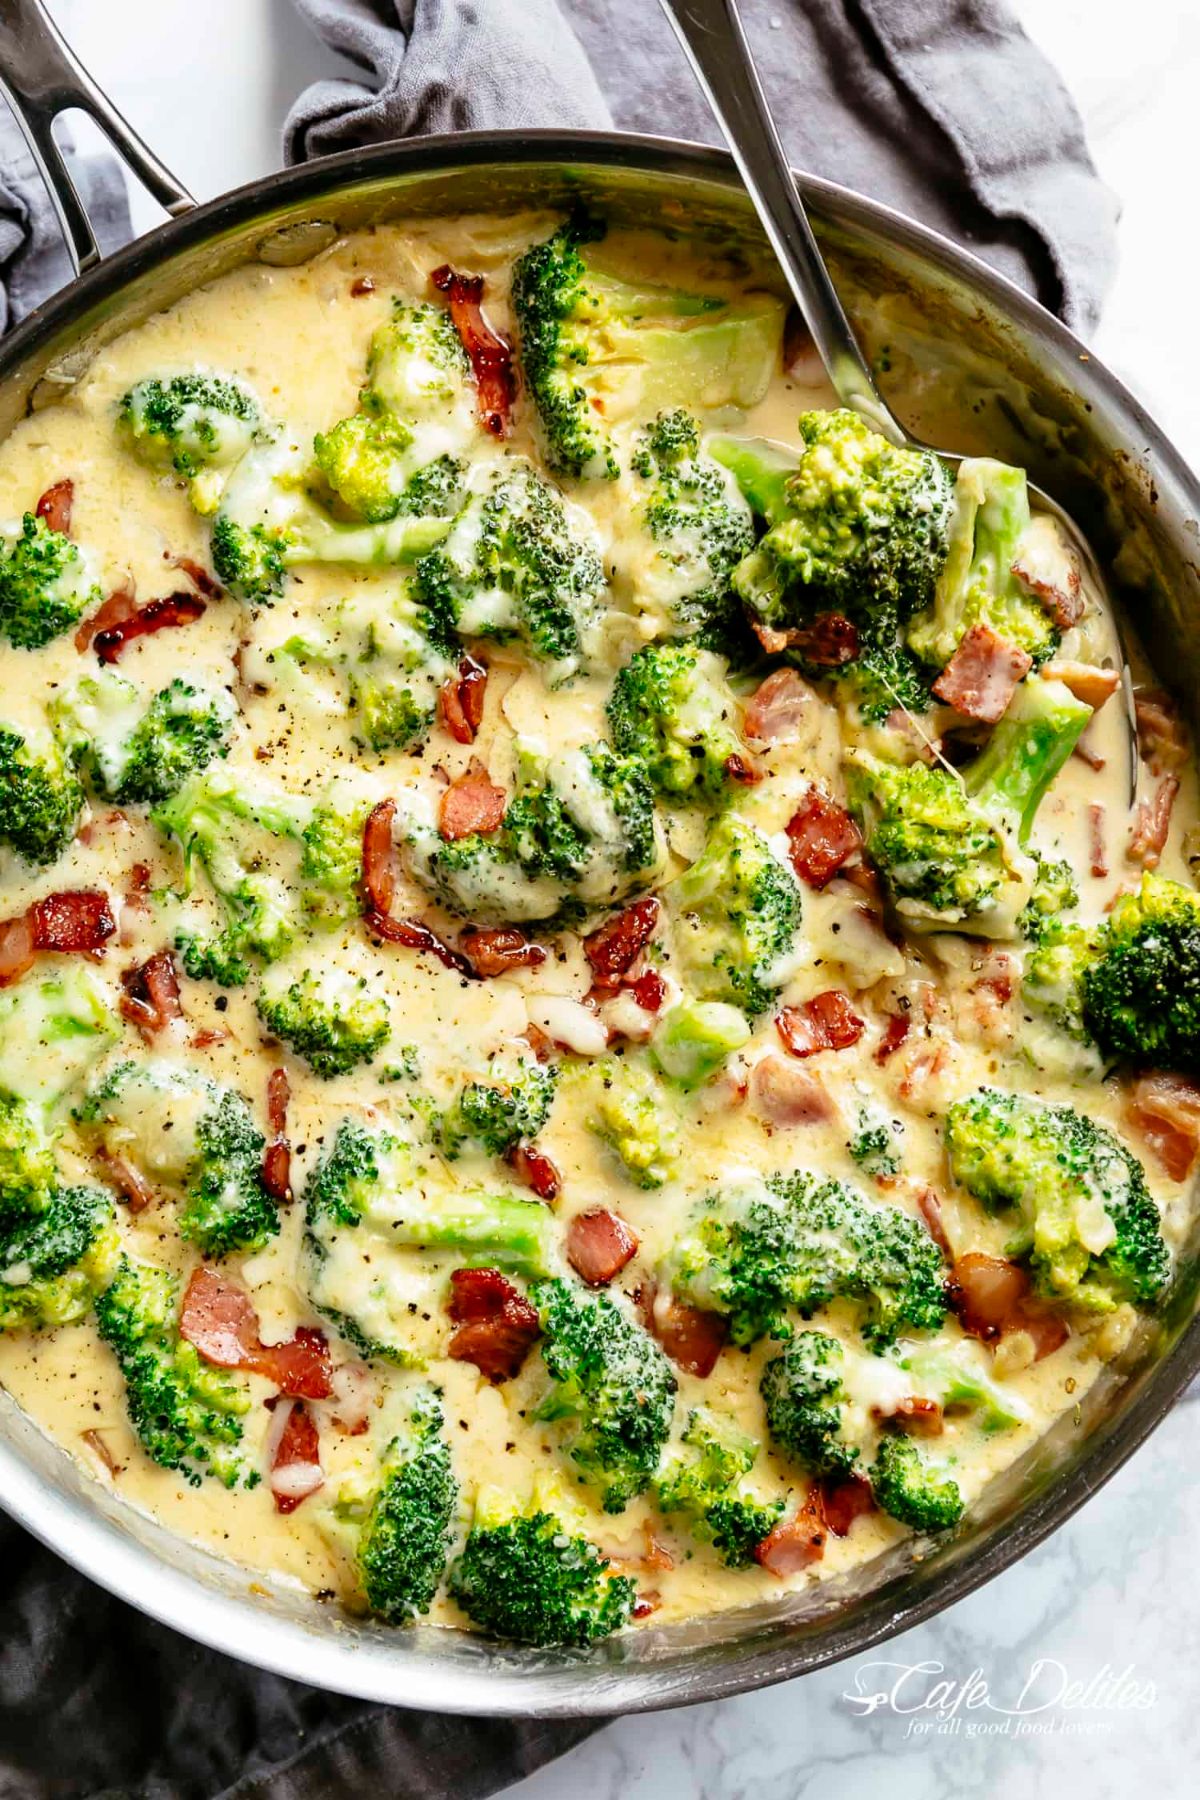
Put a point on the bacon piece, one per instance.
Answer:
(1086, 754)
(981, 677)
(925, 1064)
(537, 1170)
(844, 1501)
(821, 837)
(1096, 843)
(1162, 736)
(648, 1601)
(198, 575)
(599, 1244)
(784, 1095)
(1165, 1112)
(826, 1022)
(829, 642)
(277, 1156)
(778, 708)
(16, 948)
(649, 990)
(54, 507)
(460, 701)
(795, 1543)
(614, 947)
(1093, 685)
(489, 354)
(118, 622)
(895, 1032)
(295, 1452)
(691, 1337)
(76, 922)
(914, 1413)
(219, 1319)
(471, 804)
(496, 1324)
(97, 1444)
(992, 1299)
(930, 1209)
(362, 284)
(413, 934)
(1052, 576)
(151, 999)
(378, 858)
(743, 772)
(500, 949)
(1152, 824)
(132, 1186)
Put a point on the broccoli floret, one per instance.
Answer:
(876, 1144)
(528, 1576)
(589, 338)
(134, 753)
(399, 1522)
(951, 845)
(908, 1487)
(1087, 1221)
(52, 1031)
(736, 914)
(1141, 987)
(672, 706)
(28, 1170)
(707, 1488)
(512, 1104)
(196, 424)
(976, 584)
(219, 957)
(417, 367)
(40, 796)
(47, 583)
(53, 1265)
(330, 1015)
(198, 1138)
(368, 463)
(883, 675)
(684, 527)
(759, 1250)
(187, 1415)
(633, 1112)
(804, 1394)
(853, 522)
(1055, 891)
(520, 561)
(611, 1385)
(696, 1038)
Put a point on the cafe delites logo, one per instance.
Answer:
(1042, 1699)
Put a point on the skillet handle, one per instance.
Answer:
(40, 77)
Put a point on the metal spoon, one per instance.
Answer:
(714, 42)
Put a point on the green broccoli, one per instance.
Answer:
(632, 1111)
(134, 753)
(876, 1144)
(40, 796)
(949, 844)
(590, 341)
(1055, 891)
(52, 1031)
(526, 1575)
(330, 1015)
(672, 706)
(736, 914)
(198, 424)
(509, 1106)
(398, 1522)
(908, 1487)
(684, 527)
(520, 561)
(47, 583)
(199, 1138)
(977, 584)
(28, 1167)
(696, 1038)
(805, 1397)
(54, 1264)
(757, 1251)
(417, 368)
(611, 1386)
(1088, 1224)
(187, 1415)
(708, 1488)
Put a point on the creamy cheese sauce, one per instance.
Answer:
(299, 338)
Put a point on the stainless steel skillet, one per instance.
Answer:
(949, 341)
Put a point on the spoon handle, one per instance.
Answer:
(715, 44)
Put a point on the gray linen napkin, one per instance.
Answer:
(33, 256)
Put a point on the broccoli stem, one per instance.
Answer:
(1011, 776)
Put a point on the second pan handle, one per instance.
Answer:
(41, 77)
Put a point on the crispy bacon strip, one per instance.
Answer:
(691, 1337)
(119, 621)
(118, 607)
(930, 1209)
(829, 642)
(649, 990)
(198, 575)
(992, 1299)
(821, 836)
(777, 710)
(739, 769)
(277, 1156)
(76, 922)
(54, 507)
(784, 1095)
(599, 1244)
(151, 998)
(1152, 824)
(489, 354)
(460, 701)
(844, 1501)
(1096, 844)
(538, 1171)
(379, 891)
(499, 950)
(797, 1542)
(295, 1458)
(826, 1022)
(894, 1034)
(473, 803)
(1162, 736)
(981, 677)
(496, 1324)
(219, 1319)
(1165, 1112)
(132, 1186)
(614, 947)
(1093, 685)
(914, 1413)
(1055, 581)
(413, 934)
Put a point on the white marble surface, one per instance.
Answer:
(1108, 1604)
